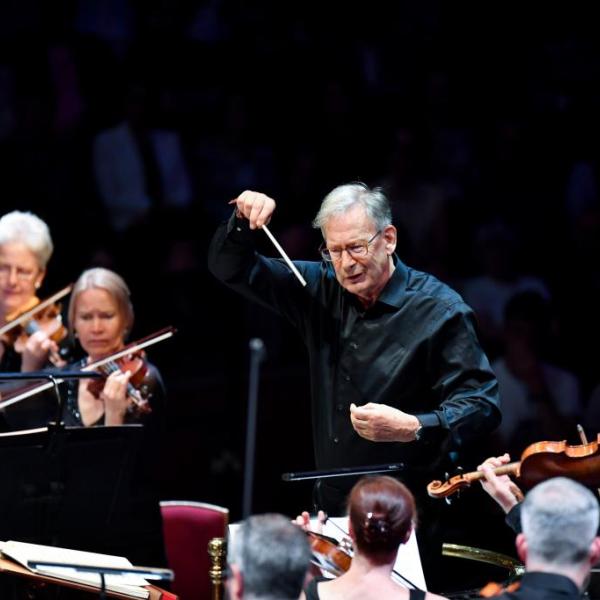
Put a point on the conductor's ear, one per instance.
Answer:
(390, 236)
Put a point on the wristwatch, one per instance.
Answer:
(419, 432)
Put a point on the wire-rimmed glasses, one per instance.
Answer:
(358, 249)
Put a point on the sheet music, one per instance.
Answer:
(22, 552)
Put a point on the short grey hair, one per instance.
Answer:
(28, 229)
(114, 284)
(559, 518)
(340, 199)
(273, 556)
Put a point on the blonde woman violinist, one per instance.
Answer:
(101, 317)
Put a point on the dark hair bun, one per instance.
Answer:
(376, 529)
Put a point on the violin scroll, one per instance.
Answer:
(439, 489)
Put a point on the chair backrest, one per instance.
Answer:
(188, 527)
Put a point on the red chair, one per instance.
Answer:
(188, 527)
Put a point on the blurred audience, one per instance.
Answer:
(540, 401)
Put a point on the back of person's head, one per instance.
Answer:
(382, 511)
(272, 555)
(340, 199)
(27, 229)
(559, 518)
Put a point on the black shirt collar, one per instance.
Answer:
(395, 288)
(549, 581)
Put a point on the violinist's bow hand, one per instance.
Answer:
(304, 521)
(500, 487)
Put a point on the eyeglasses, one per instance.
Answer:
(22, 274)
(355, 250)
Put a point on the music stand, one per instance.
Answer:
(67, 486)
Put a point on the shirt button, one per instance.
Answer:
(353, 345)
(340, 407)
(347, 377)
(336, 440)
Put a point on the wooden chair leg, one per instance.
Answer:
(217, 550)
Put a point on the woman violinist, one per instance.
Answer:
(25, 249)
(101, 317)
(381, 515)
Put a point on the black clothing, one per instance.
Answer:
(415, 349)
(17, 416)
(513, 518)
(543, 586)
(10, 361)
(311, 591)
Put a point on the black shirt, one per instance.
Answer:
(311, 591)
(543, 586)
(415, 349)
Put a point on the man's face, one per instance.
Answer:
(365, 276)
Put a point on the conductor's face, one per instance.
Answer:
(360, 253)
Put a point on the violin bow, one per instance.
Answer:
(26, 316)
(159, 336)
(149, 340)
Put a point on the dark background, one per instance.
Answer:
(469, 114)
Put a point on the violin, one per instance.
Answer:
(35, 316)
(539, 461)
(18, 395)
(137, 392)
(328, 555)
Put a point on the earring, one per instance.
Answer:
(37, 285)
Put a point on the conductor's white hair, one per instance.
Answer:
(341, 198)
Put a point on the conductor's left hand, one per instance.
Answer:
(382, 423)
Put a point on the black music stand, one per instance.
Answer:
(67, 486)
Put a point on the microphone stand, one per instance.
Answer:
(257, 355)
(54, 377)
